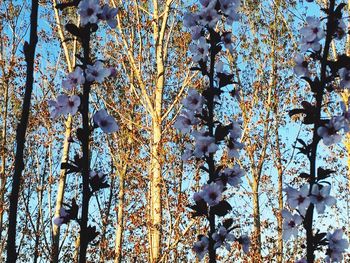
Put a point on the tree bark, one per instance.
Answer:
(60, 191)
(76, 250)
(3, 155)
(278, 162)
(257, 223)
(84, 237)
(153, 105)
(40, 190)
(280, 197)
(156, 204)
(29, 52)
(312, 156)
(156, 155)
(120, 217)
(66, 145)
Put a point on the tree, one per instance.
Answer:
(149, 86)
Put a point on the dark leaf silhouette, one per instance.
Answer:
(91, 233)
(225, 79)
(221, 209)
(73, 29)
(71, 168)
(98, 182)
(221, 132)
(323, 173)
(200, 208)
(227, 223)
(304, 175)
(69, 4)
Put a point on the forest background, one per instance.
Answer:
(266, 40)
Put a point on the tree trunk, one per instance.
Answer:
(38, 220)
(29, 52)
(76, 249)
(66, 145)
(347, 136)
(60, 191)
(3, 156)
(85, 146)
(280, 197)
(120, 218)
(156, 155)
(278, 162)
(156, 204)
(257, 223)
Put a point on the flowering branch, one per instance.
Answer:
(86, 74)
(84, 238)
(200, 111)
(315, 194)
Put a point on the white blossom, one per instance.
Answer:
(345, 118)
(290, 224)
(320, 197)
(56, 106)
(193, 101)
(93, 174)
(245, 243)
(74, 79)
(97, 72)
(313, 31)
(190, 20)
(221, 237)
(62, 218)
(197, 197)
(219, 67)
(236, 130)
(89, 11)
(109, 15)
(201, 247)
(112, 71)
(188, 153)
(209, 16)
(233, 148)
(227, 41)
(226, 5)
(344, 75)
(204, 145)
(106, 122)
(336, 246)
(72, 105)
(306, 45)
(230, 9)
(212, 193)
(185, 120)
(196, 32)
(233, 144)
(205, 3)
(300, 68)
(329, 132)
(64, 105)
(199, 50)
(298, 199)
(233, 175)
